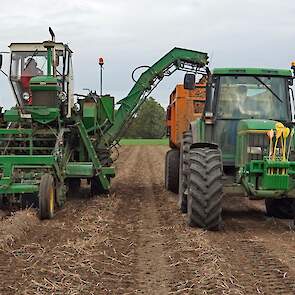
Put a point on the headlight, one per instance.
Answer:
(254, 150)
(26, 96)
(63, 96)
(77, 107)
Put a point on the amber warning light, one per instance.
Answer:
(100, 61)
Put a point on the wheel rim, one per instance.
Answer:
(51, 200)
(46, 197)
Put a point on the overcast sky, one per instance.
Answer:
(128, 33)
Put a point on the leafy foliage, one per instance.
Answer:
(149, 122)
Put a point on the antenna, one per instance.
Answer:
(101, 63)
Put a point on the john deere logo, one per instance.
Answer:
(42, 83)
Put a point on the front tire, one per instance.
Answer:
(205, 188)
(46, 197)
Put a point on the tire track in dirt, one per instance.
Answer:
(139, 219)
(255, 268)
(196, 266)
(153, 272)
(246, 245)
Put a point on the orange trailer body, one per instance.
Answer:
(184, 107)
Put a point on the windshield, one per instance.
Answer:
(242, 97)
(28, 64)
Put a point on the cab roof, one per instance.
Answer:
(20, 47)
(253, 71)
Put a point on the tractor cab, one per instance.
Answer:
(41, 76)
(245, 94)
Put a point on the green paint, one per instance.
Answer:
(80, 169)
(12, 115)
(49, 61)
(274, 178)
(92, 154)
(106, 109)
(255, 124)
(253, 72)
(43, 114)
(45, 83)
(12, 131)
(10, 162)
(18, 188)
(90, 114)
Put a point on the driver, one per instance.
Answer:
(28, 72)
(31, 68)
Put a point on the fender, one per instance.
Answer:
(198, 133)
(194, 130)
(204, 145)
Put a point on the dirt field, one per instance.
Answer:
(136, 242)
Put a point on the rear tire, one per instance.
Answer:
(205, 188)
(46, 197)
(172, 170)
(280, 208)
(186, 142)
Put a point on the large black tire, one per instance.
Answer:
(280, 208)
(46, 197)
(205, 188)
(172, 170)
(186, 142)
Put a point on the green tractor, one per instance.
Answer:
(52, 138)
(243, 143)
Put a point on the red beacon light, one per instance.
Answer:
(101, 61)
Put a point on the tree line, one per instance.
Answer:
(149, 122)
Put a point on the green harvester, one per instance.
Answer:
(52, 138)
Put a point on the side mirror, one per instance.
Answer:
(1, 60)
(189, 81)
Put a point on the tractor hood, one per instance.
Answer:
(255, 125)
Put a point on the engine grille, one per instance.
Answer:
(261, 141)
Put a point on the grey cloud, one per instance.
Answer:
(133, 32)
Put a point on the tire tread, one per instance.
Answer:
(205, 188)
